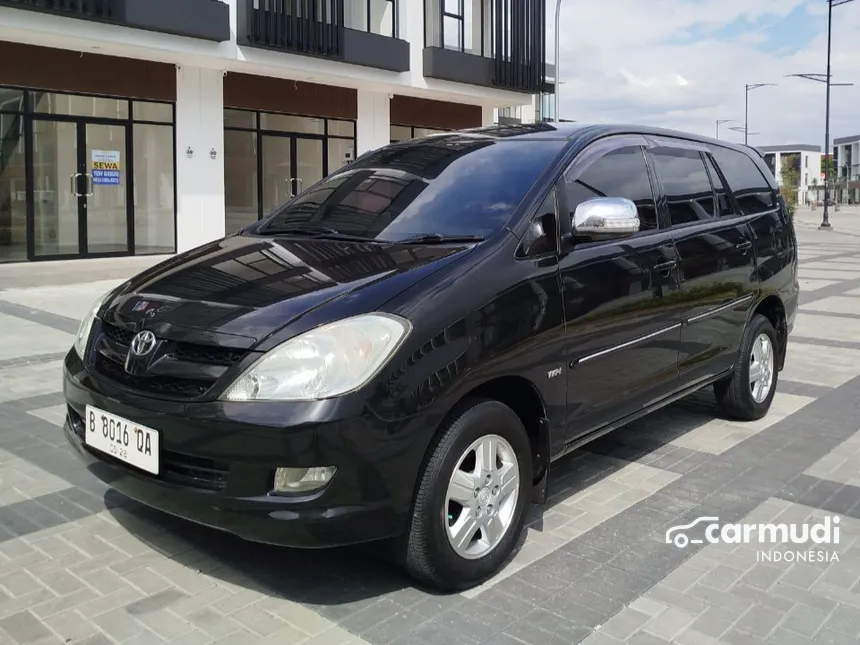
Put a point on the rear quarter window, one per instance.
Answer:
(751, 189)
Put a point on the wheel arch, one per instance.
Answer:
(772, 308)
(524, 398)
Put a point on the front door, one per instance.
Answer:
(290, 163)
(623, 318)
(80, 189)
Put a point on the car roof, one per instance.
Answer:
(567, 130)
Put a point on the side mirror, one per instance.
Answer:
(606, 217)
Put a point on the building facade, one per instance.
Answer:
(806, 162)
(846, 158)
(131, 127)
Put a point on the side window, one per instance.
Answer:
(745, 180)
(619, 173)
(689, 195)
(541, 237)
(724, 204)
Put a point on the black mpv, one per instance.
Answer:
(402, 350)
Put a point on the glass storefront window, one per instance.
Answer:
(11, 100)
(240, 179)
(400, 132)
(154, 204)
(240, 119)
(149, 111)
(291, 123)
(338, 149)
(341, 128)
(13, 193)
(78, 105)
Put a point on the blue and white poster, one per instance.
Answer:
(106, 167)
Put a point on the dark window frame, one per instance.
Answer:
(28, 113)
(260, 131)
(580, 166)
(654, 152)
(771, 189)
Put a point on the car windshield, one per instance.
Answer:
(444, 185)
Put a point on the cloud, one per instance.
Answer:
(684, 63)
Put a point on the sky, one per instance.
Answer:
(683, 64)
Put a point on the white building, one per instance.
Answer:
(807, 162)
(132, 127)
(846, 156)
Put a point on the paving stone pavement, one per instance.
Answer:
(79, 563)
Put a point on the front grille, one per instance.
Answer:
(166, 385)
(182, 370)
(176, 467)
(195, 472)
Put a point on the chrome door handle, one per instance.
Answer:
(290, 184)
(90, 185)
(744, 246)
(300, 184)
(665, 268)
(73, 184)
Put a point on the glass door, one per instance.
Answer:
(308, 162)
(79, 189)
(290, 163)
(105, 202)
(56, 189)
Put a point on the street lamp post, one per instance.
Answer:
(720, 122)
(740, 128)
(825, 78)
(557, 57)
(747, 88)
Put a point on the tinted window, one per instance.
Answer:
(745, 180)
(620, 173)
(541, 237)
(724, 204)
(451, 185)
(688, 191)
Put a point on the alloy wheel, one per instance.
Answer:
(482, 497)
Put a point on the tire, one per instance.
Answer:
(736, 395)
(430, 555)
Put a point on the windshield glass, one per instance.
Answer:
(450, 185)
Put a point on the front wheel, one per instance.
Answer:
(472, 497)
(748, 393)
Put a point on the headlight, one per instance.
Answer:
(330, 360)
(86, 325)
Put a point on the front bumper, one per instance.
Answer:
(218, 461)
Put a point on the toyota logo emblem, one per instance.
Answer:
(143, 343)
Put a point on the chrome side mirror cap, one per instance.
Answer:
(606, 217)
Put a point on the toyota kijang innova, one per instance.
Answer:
(402, 350)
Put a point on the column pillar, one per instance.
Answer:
(199, 156)
(488, 116)
(373, 129)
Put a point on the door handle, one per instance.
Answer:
(665, 268)
(90, 185)
(744, 246)
(73, 184)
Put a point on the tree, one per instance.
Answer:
(790, 183)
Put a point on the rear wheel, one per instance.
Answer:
(748, 393)
(470, 505)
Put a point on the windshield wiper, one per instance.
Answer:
(317, 232)
(437, 238)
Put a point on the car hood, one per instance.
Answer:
(241, 289)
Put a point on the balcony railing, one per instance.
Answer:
(504, 41)
(362, 32)
(204, 19)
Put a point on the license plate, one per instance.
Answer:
(125, 440)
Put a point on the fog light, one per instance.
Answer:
(302, 480)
